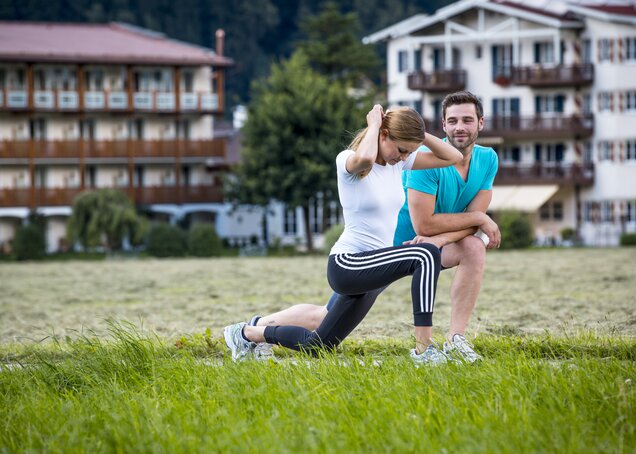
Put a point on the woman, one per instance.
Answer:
(363, 261)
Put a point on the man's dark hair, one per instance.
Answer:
(462, 97)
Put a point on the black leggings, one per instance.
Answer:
(359, 279)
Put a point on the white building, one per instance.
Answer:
(558, 84)
(86, 106)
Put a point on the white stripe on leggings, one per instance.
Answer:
(384, 258)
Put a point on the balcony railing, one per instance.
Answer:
(557, 76)
(438, 81)
(22, 197)
(546, 173)
(76, 149)
(539, 126)
(69, 100)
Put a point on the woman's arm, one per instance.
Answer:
(443, 154)
(367, 151)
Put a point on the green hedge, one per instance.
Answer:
(628, 239)
(29, 243)
(516, 230)
(165, 240)
(203, 241)
(331, 236)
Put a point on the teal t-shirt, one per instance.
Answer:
(452, 193)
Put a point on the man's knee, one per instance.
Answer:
(472, 250)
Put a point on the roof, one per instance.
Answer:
(98, 43)
(623, 12)
(548, 16)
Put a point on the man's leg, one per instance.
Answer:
(469, 256)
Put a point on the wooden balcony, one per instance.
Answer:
(22, 197)
(522, 128)
(122, 149)
(546, 173)
(108, 101)
(438, 81)
(556, 76)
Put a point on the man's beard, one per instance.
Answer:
(471, 139)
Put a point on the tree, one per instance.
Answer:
(292, 136)
(334, 48)
(104, 217)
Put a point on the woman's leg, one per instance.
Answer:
(359, 278)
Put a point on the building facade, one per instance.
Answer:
(108, 106)
(558, 87)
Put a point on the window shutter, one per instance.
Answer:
(537, 105)
(560, 101)
(621, 151)
(599, 154)
(611, 49)
(621, 101)
(598, 50)
(611, 98)
(611, 206)
(598, 101)
(621, 50)
(537, 52)
(611, 156)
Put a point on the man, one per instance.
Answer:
(449, 204)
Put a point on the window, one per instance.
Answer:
(290, 226)
(505, 107)
(630, 211)
(37, 128)
(417, 59)
(544, 52)
(478, 52)
(557, 211)
(549, 152)
(587, 104)
(402, 61)
(588, 211)
(630, 150)
(510, 155)
(606, 211)
(588, 152)
(188, 82)
(605, 150)
(546, 104)
(544, 213)
(630, 101)
(630, 49)
(586, 51)
(605, 50)
(605, 101)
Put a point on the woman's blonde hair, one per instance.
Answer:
(400, 124)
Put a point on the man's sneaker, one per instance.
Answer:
(431, 356)
(261, 351)
(459, 348)
(237, 344)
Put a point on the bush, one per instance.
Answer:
(203, 241)
(29, 243)
(166, 240)
(628, 239)
(568, 234)
(516, 230)
(331, 236)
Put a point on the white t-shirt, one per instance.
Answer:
(370, 205)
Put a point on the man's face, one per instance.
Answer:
(462, 126)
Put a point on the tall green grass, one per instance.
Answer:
(135, 392)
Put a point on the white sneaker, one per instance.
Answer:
(460, 349)
(261, 351)
(237, 344)
(431, 356)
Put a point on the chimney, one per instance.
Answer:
(220, 37)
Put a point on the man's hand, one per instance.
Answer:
(491, 229)
(437, 240)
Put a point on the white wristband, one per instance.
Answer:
(482, 236)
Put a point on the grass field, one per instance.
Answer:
(556, 327)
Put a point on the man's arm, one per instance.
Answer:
(427, 223)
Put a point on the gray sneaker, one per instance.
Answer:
(431, 356)
(261, 351)
(234, 340)
(459, 348)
